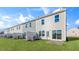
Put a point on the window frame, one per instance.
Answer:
(19, 26)
(54, 34)
(56, 18)
(43, 33)
(58, 35)
(30, 24)
(25, 25)
(42, 21)
(39, 33)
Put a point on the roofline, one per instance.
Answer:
(63, 10)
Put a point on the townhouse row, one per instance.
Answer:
(48, 27)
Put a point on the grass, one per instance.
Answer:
(38, 45)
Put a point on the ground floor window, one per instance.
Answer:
(56, 34)
(39, 33)
(42, 33)
(47, 34)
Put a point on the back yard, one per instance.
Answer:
(38, 45)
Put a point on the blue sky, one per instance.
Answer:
(10, 16)
(72, 17)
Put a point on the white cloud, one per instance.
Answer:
(2, 25)
(45, 10)
(67, 24)
(22, 19)
(5, 18)
(57, 10)
(17, 20)
(77, 22)
(29, 17)
(4, 21)
(8, 25)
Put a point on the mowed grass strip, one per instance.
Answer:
(9, 44)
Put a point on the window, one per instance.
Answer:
(47, 33)
(39, 33)
(13, 29)
(56, 34)
(30, 24)
(42, 21)
(18, 27)
(43, 33)
(56, 18)
(26, 25)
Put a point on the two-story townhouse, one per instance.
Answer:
(49, 27)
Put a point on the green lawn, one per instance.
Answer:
(38, 45)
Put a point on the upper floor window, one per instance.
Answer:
(42, 21)
(26, 25)
(30, 25)
(18, 27)
(56, 18)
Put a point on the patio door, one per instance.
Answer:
(57, 34)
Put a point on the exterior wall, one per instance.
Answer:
(5, 31)
(74, 32)
(15, 29)
(49, 25)
(32, 28)
(46, 27)
(20, 30)
(61, 25)
(29, 29)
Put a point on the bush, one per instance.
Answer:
(72, 38)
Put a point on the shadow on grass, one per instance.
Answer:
(72, 38)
